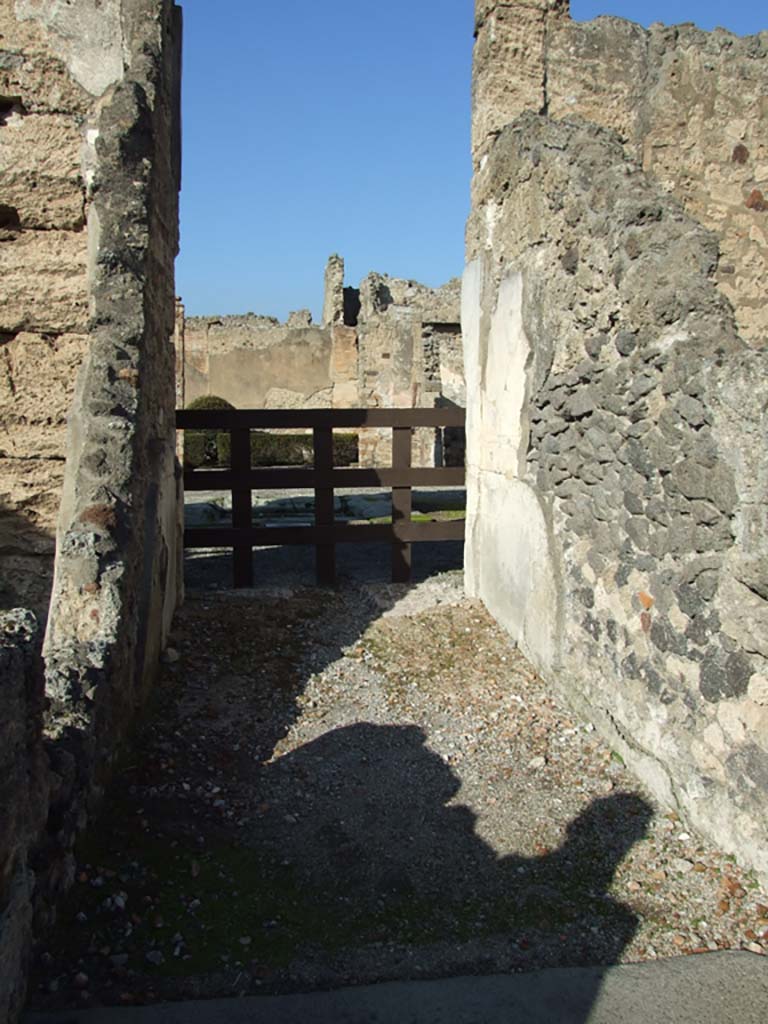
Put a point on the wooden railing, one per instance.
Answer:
(323, 477)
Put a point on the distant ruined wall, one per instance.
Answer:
(410, 355)
(617, 426)
(256, 362)
(389, 343)
(690, 107)
(91, 169)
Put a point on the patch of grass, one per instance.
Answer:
(211, 900)
(441, 516)
(199, 905)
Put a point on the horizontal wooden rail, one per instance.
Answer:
(279, 478)
(322, 478)
(274, 419)
(336, 533)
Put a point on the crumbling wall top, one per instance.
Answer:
(688, 106)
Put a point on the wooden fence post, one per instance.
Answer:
(241, 480)
(242, 551)
(401, 504)
(325, 554)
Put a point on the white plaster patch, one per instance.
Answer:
(87, 36)
(471, 543)
(471, 293)
(492, 216)
(608, 599)
(88, 157)
(502, 434)
(513, 567)
(508, 563)
(471, 286)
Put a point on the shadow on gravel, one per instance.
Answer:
(374, 854)
(223, 865)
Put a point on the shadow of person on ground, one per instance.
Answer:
(235, 692)
(348, 860)
(381, 858)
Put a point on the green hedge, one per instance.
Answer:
(213, 447)
(194, 448)
(288, 449)
(345, 451)
(201, 447)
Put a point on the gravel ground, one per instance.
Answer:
(369, 783)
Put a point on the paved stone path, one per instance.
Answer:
(720, 988)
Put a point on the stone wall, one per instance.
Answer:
(690, 107)
(617, 466)
(117, 556)
(256, 362)
(409, 341)
(90, 231)
(43, 263)
(390, 342)
(24, 798)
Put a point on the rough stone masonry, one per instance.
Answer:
(44, 315)
(614, 336)
(89, 130)
(614, 325)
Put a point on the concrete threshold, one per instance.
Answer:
(712, 988)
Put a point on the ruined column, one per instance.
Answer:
(333, 299)
(509, 64)
(179, 350)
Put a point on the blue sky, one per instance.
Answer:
(343, 126)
